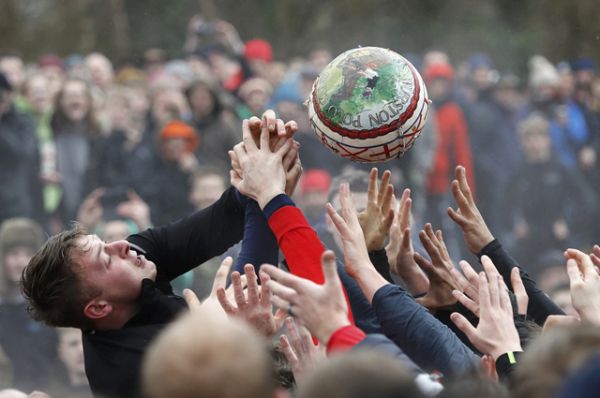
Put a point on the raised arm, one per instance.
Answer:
(480, 241)
(421, 336)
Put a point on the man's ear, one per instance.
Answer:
(97, 309)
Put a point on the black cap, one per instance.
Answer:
(4, 84)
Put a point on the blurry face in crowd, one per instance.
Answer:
(508, 98)
(119, 111)
(168, 105)
(567, 83)
(36, 93)
(115, 230)
(320, 58)
(439, 89)
(54, 76)
(313, 202)
(206, 190)
(202, 101)
(75, 102)
(585, 76)
(15, 261)
(172, 149)
(100, 69)
(223, 67)
(113, 269)
(536, 146)
(482, 77)
(257, 101)
(70, 350)
(13, 69)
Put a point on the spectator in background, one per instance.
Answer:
(492, 137)
(74, 126)
(255, 94)
(208, 184)
(258, 53)
(165, 177)
(568, 128)
(100, 70)
(167, 103)
(542, 199)
(51, 66)
(37, 104)
(28, 344)
(453, 147)
(70, 380)
(11, 65)
(216, 125)
(314, 191)
(19, 160)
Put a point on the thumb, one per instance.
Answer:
(329, 267)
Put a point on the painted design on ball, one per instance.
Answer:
(368, 105)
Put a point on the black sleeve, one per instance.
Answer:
(505, 365)
(184, 244)
(540, 305)
(380, 261)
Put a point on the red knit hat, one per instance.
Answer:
(439, 71)
(258, 49)
(178, 129)
(315, 180)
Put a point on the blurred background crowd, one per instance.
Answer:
(121, 145)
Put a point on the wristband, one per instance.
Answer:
(506, 362)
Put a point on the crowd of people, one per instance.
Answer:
(127, 148)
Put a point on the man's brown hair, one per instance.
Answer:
(52, 285)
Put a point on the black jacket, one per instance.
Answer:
(113, 358)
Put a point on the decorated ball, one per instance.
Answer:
(368, 105)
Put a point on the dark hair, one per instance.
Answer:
(52, 286)
(282, 371)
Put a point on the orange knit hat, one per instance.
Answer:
(179, 129)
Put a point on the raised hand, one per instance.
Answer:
(253, 307)
(519, 290)
(219, 282)
(135, 209)
(495, 333)
(377, 218)
(439, 271)
(356, 254)
(321, 308)
(400, 249)
(261, 176)
(298, 347)
(585, 285)
(475, 231)
(468, 295)
(90, 211)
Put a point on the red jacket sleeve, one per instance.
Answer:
(462, 147)
(344, 339)
(300, 245)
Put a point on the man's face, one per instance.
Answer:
(113, 269)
